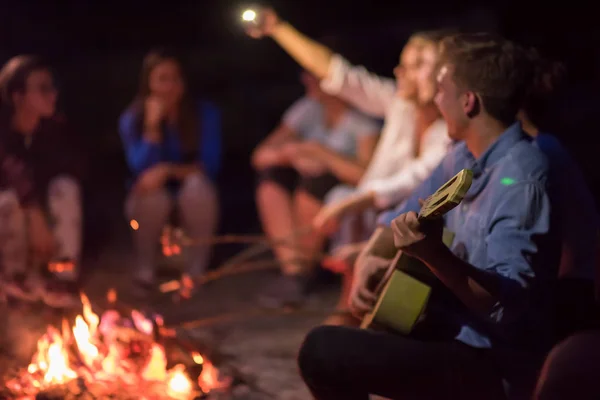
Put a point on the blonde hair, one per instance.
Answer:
(423, 39)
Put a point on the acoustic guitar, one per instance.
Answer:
(404, 291)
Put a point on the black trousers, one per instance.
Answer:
(344, 363)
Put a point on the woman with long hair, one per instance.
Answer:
(172, 148)
(40, 179)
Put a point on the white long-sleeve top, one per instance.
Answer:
(394, 171)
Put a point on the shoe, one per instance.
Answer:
(284, 291)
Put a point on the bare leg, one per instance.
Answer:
(64, 200)
(13, 235)
(345, 318)
(199, 210)
(18, 281)
(276, 214)
(306, 208)
(151, 211)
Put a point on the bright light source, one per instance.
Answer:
(249, 15)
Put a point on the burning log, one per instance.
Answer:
(115, 355)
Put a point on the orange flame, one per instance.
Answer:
(92, 351)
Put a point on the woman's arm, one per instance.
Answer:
(346, 169)
(367, 91)
(141, 152)
(297, 118)
(268, 153)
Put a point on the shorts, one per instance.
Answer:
(289, 179)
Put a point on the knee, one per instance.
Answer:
(267, 187)
(11, 214)
(339, 193)
(9, 202)
(317, 352)
(197, 184)
(64, 186)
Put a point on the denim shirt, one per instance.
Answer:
(497, 227)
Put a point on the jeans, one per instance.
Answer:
(197, 204)
(346, 363)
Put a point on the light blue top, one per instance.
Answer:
(307, 118)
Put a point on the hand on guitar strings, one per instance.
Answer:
(417, 238)
(369, 270)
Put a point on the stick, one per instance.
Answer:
(174, 285)
(266, 245)
(239, 315)
(229, 267)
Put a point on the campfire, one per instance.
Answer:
(114, 356)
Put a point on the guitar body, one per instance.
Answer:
(403, 300)
(407, 286)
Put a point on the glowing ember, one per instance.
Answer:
(94, 351)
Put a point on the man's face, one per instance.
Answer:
(426, 77)
(451, 103)
(406, 72)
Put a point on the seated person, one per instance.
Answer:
(41, 173)
(354, 209)
(497, 329)
(574, 207)
(172, 147)
(413, 139)
(320, 142)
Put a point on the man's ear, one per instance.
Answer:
(471, 104)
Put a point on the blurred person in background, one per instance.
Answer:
(575, 214)
(413, 141)
(173, 150)
(40, 174)
(319, 143)
(355, 208)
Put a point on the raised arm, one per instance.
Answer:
(368, 92)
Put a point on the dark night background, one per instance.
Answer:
(96, 48)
